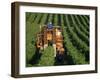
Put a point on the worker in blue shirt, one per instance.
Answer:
(50, 26)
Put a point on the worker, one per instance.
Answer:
(50, 26)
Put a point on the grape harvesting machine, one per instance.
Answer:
(50, 35)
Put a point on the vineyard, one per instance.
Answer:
(75, 33)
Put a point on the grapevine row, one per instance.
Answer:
(82, 28)
(31, 18)
(83, 48)
(55, 20)
(80, 34)
(71, 50)
(86, 18)
(28, 16)
(83, 22)
(38, 17)
(43, 19)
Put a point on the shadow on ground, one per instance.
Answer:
(36, 57)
